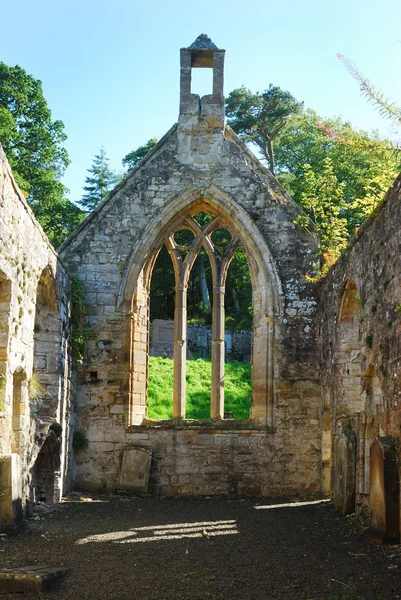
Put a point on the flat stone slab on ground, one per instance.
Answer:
(30, 579)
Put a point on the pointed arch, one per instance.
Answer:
(47, 343)
(133, 297)
(213, 200)
(348, 354)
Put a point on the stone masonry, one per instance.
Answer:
(34, 331)
(325, 408)
(361, 355)
(199, 165)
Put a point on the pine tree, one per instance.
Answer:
(99, 183)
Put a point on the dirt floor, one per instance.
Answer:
(144, 548)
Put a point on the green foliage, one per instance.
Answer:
(33, 144)
(363, 164)
(100, 181)
(131, 159)
(80, 440)
(369, 340)
(322, 198)
(237, 388)
(31, 140)
(238, 297)
(260, 117)
(58, 219)
(79, 329)
(238, 303)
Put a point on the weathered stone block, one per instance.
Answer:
(134, 469)
(11, 515)
(343, 480)
(32, 579)
(384, 491)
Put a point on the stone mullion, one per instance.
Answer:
(217, 384)
(182, 271)
(180, 351)
(180, 329)
(218, 330)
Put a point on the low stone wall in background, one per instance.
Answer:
(238, 343)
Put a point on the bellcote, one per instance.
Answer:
(202, 54)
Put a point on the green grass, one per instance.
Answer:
(237, 388)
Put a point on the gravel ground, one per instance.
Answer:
(145, 548)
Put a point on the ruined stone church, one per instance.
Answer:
(326, 384)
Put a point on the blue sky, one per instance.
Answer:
(110, 70)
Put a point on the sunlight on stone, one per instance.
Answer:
(292, 504)
(176, 531)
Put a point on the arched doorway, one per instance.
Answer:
(46, 472)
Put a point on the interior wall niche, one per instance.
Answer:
(20, 412)
(348, 400)
(46, 472)
(326, 445)
(5, 304)
(369, 419)
(264, 301)
(46, 348)
(348, 355)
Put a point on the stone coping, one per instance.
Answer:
(215, 425)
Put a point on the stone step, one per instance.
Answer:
(30, 579)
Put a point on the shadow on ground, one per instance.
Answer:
(144, 548)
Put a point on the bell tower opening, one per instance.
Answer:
(202, 54)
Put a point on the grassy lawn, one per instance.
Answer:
(237, 388)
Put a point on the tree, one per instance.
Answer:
(59, 219)
(322, 198)
(33, 144)
(131, 159)
(100, 181)
(363, 164)
(260, 117)
(31, 140)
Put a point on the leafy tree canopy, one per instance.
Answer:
(100, 181)
(363, 164)
(33, 144)
(260, 117)
(131, 159)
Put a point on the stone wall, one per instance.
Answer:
(231, 459)
(361, 343)
(238, 343)
(34, 334)
(200, 165)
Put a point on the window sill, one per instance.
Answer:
(214, 425)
